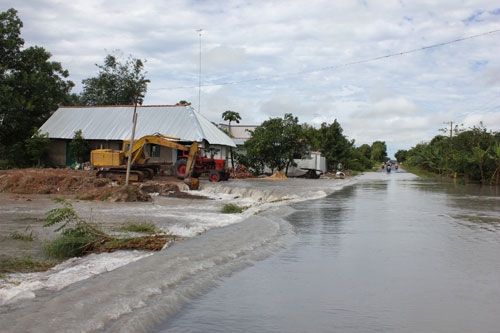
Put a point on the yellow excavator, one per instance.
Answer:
(113, 163)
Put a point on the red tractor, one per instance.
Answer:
(215, 168)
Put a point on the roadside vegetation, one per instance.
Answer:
(33, 87)
(26, 264)
(142, 227)
(232, 209)
(26, 236)
(470, 155)
(79, 238)
(277, 142)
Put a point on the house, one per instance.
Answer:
(239, 134)
(105, 127)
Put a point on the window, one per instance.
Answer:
(154, 150)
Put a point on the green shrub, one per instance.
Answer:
(143, 227)
(73, 242)
(24, 236)
(232, 209)
(26, 264)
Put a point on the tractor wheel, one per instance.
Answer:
(225, 175)
(180, 168)
(214, 176)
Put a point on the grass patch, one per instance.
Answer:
(143, 227)
(26, 264)
(232, 209)
(279, 200)
(23, 236)
(145, 243)
(106, 196)
(74, 242)
(79, 238)
(354, 173)
(419, 172)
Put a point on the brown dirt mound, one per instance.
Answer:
(280, 175)
(46, 181)
(82, 185)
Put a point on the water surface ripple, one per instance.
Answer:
(392, 253)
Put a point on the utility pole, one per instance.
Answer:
(451, 127)
(200, 31)
(131, 144)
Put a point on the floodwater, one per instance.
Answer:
(391, 253)
(134, 291)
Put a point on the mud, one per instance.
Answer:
(84, 185)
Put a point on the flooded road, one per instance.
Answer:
(392, 253)
(131, 291)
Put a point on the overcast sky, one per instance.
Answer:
(266, 58)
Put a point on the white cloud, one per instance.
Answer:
(398, 99)
(395, 106)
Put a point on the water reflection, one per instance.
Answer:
(393, 253)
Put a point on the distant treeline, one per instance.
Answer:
(473, 154)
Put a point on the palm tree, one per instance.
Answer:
(231, 116)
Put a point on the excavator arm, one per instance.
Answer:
(193, 150)
(157, 139)
(193, 183)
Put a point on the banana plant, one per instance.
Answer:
(495, 154)
(479, 156)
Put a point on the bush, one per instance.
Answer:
(143, 227)
(24, 236)
(73, 242)
(232, 209)
(26, 264)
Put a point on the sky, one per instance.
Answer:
(318, 59)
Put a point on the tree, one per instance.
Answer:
(311, 134)
(275, 144)
(294, 145)
(470, 154)
(230, 116)
(401, 155)
(31, 88)
(79, 148)
(495, 155)
(117, 83)
(335, 146)
(183, 102)
(379, 151)
(11, 41)
(366, 150)
(37, 147)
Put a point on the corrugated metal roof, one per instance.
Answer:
(239, 141)
(115, 123)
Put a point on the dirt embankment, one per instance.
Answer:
(84, 185)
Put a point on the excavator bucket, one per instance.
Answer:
(193, 183)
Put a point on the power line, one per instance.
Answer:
(489, 107)
(329, 68)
